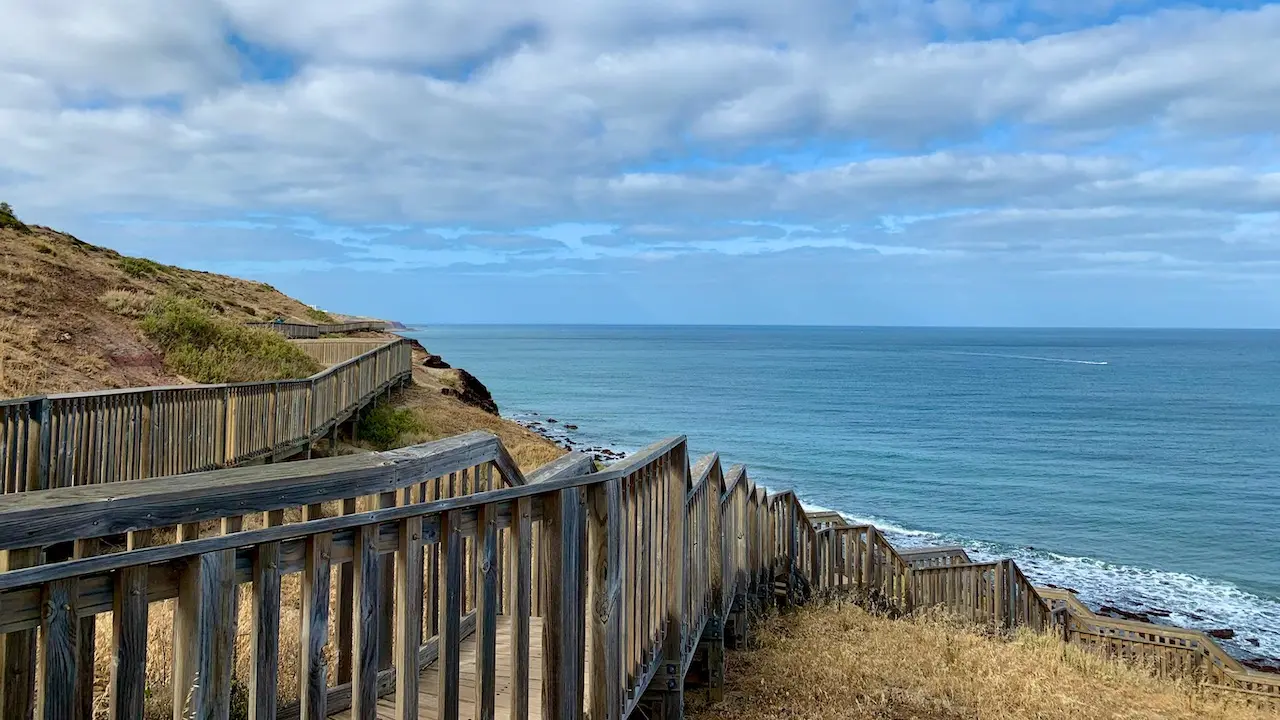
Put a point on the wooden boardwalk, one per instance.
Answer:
(87, 438)
(445, 583)
(429, 692)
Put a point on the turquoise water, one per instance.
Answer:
(1141, 468)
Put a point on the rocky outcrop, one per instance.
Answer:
(435, 361)
(472, 392)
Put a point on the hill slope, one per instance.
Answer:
(70, 312)
(74, 317)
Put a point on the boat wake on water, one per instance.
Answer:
(1029, 357)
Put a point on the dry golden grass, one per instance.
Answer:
(128, 303)
(839, 661)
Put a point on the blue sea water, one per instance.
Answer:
(1139, 467)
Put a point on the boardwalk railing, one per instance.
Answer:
(440, 580)
(107, 436)
(307, 330)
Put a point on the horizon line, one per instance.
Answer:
(418, 325)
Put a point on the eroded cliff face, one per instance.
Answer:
(471, 391)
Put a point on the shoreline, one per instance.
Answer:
(1241, 644)
(562, 434)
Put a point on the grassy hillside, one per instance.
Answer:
(839, 661)
(72, 316)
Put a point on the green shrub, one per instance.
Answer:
(9, 220)
(383, 426)
(139, 267)
(208, 349)
(45, 250)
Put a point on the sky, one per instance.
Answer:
(868, 162)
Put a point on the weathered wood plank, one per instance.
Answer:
(264, 652)
(364, 627)
(604, 533)
(204, 637)
(408, 617)
(522, 544)
(129, 612)
(59, 635)
(450, 642)
(487, 612)
(315, 627)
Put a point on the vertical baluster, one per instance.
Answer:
(486, 611)
(364, 625)
(313, 694)
(59, 633)
(264, 657)
(522, 551)
(127, 693)
(204, 636)
(408, 571)
(449, 663)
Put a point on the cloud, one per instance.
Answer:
(1050, 135)
(217, 242)
(658, 234)
(519, 244)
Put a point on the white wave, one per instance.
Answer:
(1029, 357)
(893, 529)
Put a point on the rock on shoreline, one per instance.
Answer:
(559, 433)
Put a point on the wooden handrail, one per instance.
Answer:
(293, 330)
(87, 438)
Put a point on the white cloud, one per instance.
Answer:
(672, 114)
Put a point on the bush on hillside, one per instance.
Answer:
(9, 220)
(208, 349)
(139, 267)
(383, 426)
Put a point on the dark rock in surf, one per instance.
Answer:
(1221, 633)
(1267, 665)
(1124, 614)
(570, 427)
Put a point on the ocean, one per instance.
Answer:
(1138, 467)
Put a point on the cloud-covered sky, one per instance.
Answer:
(1031, 162)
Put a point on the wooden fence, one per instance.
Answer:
(307, 330)
(107, 436)
(440, 579)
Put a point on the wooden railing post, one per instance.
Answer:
(564, 608)
(665, 697)
(204, 637)
(408, 569)
(522, 555)
(604, 529)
